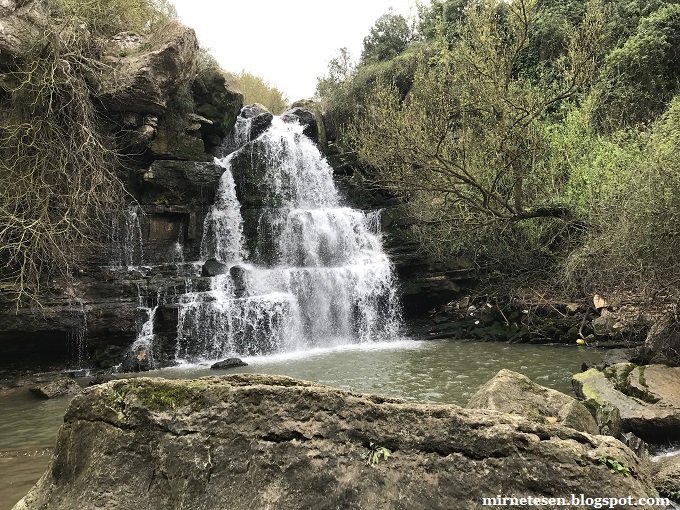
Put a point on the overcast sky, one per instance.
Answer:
(286, 42)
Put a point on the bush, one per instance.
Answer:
(257, 90)
(109, 17)
(632, 184)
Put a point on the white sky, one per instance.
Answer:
(286, 42)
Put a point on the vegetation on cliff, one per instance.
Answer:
(538, 137)
(58, 182)
(257, 90)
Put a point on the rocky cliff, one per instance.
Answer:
(249, 441)
(164, 114)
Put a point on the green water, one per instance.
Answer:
(429, 372)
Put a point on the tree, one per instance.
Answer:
(471, 127)
(443, 18)
(640, 77)
(465, 145)
(341, 68)
(387, 38)
(257, 90)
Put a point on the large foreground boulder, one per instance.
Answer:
(510, 392)
(647, 398)
(253, 441)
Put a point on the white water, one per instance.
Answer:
(316, 278)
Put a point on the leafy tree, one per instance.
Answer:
(341, 69)
(387, 38)
(640, 77)
(257, 90)
(466, 144)
(441, 18)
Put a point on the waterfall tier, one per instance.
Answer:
(304, 270)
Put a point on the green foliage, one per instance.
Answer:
(109, 17)
(206, 61)
(348, 99)
(630, 182)
(441, 19)
(465, 148)
(340, 70)
(387, 38)
(375, 452)
(614, 466)
(257, 90)
(640, 77)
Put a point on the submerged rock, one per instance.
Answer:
(228, 363)
(58, 388)
(646, 398)
(255, 441)
(510, 392)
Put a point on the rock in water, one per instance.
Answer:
(256, 441)
(57, 388)
(510, 392)
(666, 475)
(229, 363)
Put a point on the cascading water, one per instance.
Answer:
(315, 275)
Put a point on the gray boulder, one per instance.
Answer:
(57, 388)
(145, 77)
(647, 398)
(256, 441)
(510, 392)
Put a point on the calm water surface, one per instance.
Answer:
(428, 372)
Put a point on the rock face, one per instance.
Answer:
(218, 101)
(248, 441)
(513, 393)
(646, 398)
(20, 25)
(144, 80)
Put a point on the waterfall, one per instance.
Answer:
(304, 270)
(140, 355)
(76, 339)
(132, 253)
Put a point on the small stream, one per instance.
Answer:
(427, 372)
